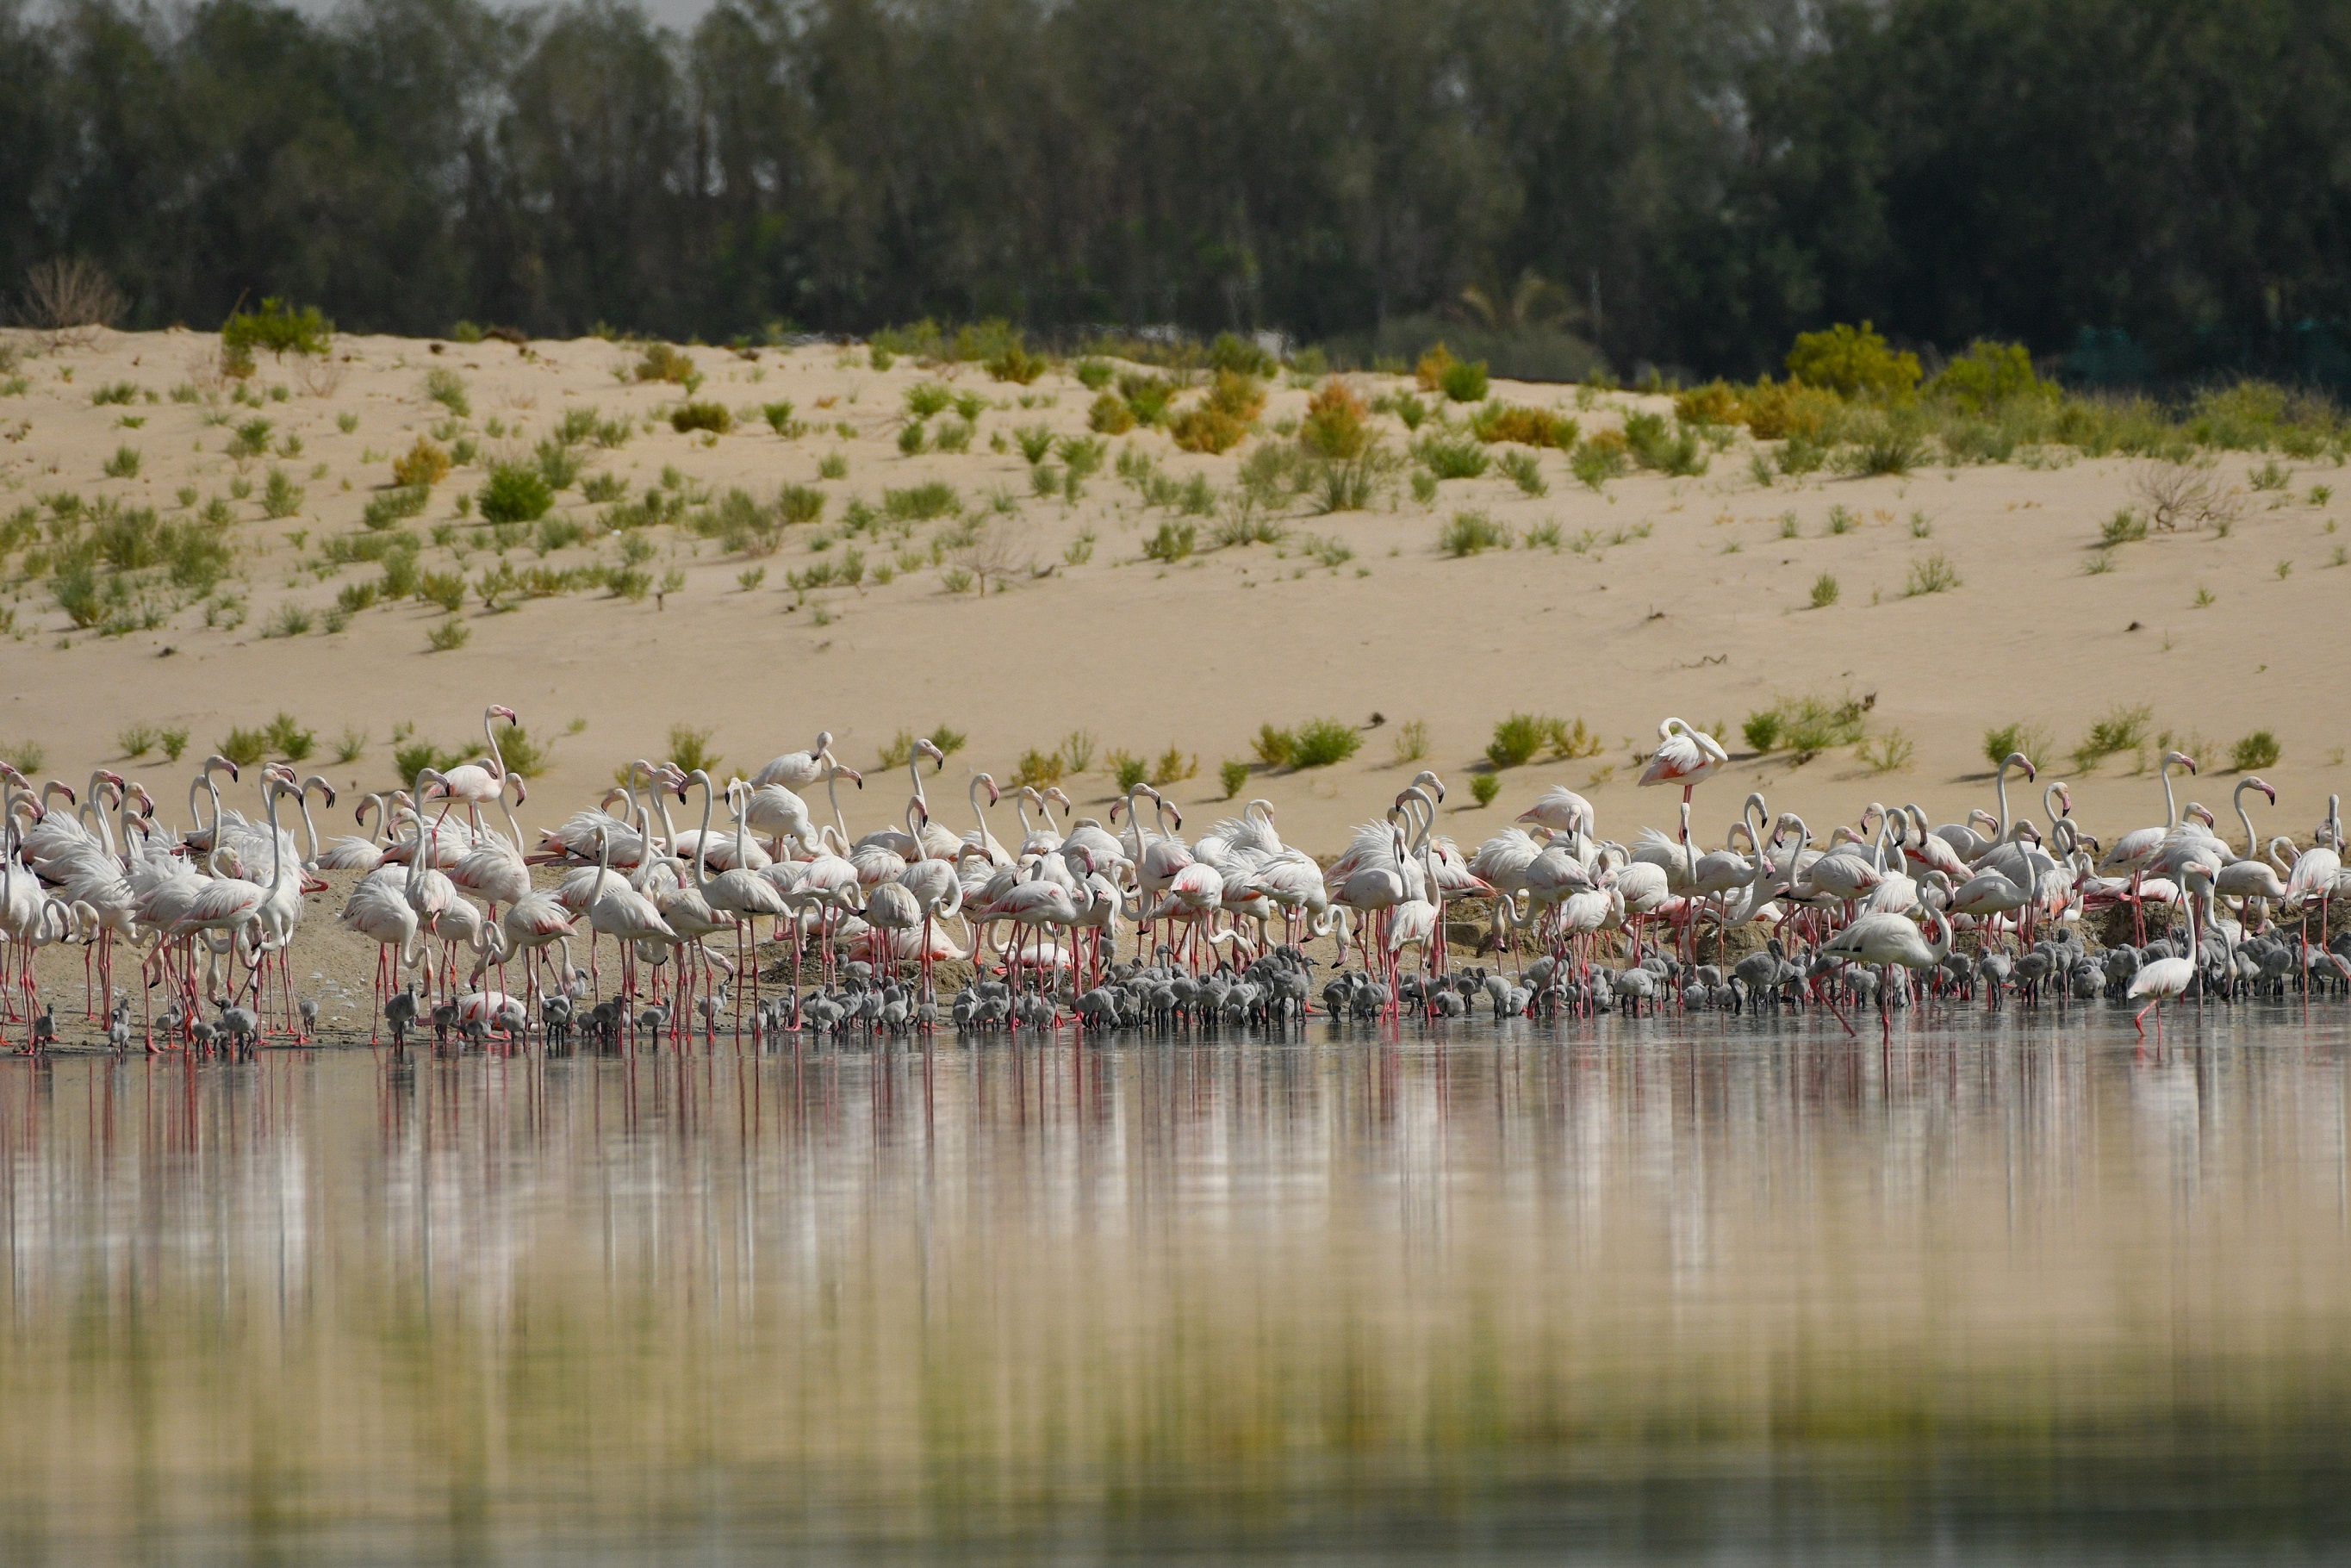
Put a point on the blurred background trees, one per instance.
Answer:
(2151, 188)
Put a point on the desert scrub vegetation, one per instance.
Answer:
(1520, 737)
(1806, 725)
(2031, 740)
(1496, 422)
(2125, 727)
(2257, 750)
(1317, 743)
(515, 493)
(1221, 419)
(278, 327)
(1472, 533)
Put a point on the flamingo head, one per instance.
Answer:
(146, 802)
(925, 748)
(1436, 786)
(60, 786)
(2180, 758)
(220, 763)
(852, 774)
(325, 790)
(506, 713)
(522, 790)
(922, 812)
(993, 794)
(2064, 798)
(1068, 805)
(2202, 813)
(2263, 786)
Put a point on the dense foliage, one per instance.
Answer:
(2149, 186)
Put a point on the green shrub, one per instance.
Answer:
(797, 504)
(1853, 363)
(288, 621)
(1807, 724)
(1932, 574)
(1883, 444)
(1824, 591)
(1319, 743)
(281, 498)
(690, 748)
(2030, 739)
(1988, 376)
(1470, 533)
(1094, 374)
(1517, 739)
(1676, 450)
(1127, 769)
(120, 393)
(246, 746)
(2258, 749)
(1485, 787)
(515, 493)
(289, 740)
(1172, 542)
(921, 503)
(710, 416)
(1015, 363)
(556, 465)
(1275, 747)
(250, 440)
(1337, 424)
(1147, 395)
(1603, 458)
(2124, 728)
(446, 388)
(1521, 469)
(449, 635)
(279, 327)
(1464, 380)
(1036, 769)
(391, 506)
(663, 362)
(2125, 526)
(1451, 457)
(1234, 775)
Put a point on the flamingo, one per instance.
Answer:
(2167, 979)
(798, 770)
(1685, 757)
(479, 783)
(739, 892)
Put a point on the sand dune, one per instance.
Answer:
(1700, 608)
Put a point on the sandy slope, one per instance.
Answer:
(1705, 616)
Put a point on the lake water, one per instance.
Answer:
(2010, 1289)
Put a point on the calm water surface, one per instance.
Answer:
(2008, 1289)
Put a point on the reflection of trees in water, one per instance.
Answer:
(1038, 1277)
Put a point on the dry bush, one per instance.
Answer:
(2177, 492)
(997, 553)
(318, 375)
(70, 297)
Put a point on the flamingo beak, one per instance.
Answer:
(506, 713)
(330, 797)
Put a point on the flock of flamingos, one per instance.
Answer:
(1575, 922)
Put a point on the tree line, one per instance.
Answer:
(2152, 189)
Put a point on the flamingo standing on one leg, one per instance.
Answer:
(1685, 757)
